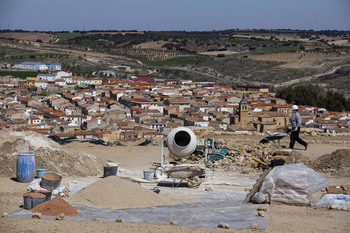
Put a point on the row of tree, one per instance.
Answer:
(316, 96)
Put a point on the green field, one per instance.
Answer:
(75, 39)
(179, 61)
(66, 36)
(20, 74)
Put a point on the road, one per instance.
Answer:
(306, 78)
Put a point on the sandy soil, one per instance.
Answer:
(281, 218)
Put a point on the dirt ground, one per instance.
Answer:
(30, 36)
(281, 218)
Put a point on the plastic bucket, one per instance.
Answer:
(110, 170)
(50, 181)
(148, 174)
(47, 193)
(25, 167)
(32, 199)
(40, 172)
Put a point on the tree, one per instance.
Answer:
(44, 93)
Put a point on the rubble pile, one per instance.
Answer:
(337, 163)
(48, 154)
(240, 159)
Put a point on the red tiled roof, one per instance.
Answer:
(144, 79)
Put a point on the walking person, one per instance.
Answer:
(296, 123)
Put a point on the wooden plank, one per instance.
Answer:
(257, 185)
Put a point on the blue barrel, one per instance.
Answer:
(25, 167)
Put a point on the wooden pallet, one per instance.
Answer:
(257, 185)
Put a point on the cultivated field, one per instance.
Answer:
(28, 36)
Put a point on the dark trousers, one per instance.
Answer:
(294, 136)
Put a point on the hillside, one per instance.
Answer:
(271, 57)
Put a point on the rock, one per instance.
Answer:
(245, 170)
(333, 207)
(261, 208)
(261, 213)
(4, 215)
(313, 133)
(119, 220)
(283, 152)
(224, 225)
(344, 208)
(173, 222)
(36, 215)
(254, 226)
(60, 216)
(96, 219)
(247, 189)
(254, 164)
(209, 188)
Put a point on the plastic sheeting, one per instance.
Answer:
(291, 184)
(342, 201)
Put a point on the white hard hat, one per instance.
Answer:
(294, 107)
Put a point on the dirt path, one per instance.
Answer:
(306, 78)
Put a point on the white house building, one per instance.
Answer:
(41, 83)
(47, 77)
(60, 74)
(37, 66)
(31, 66)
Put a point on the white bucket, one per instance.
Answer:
(148, 174)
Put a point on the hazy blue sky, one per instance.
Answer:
(189, 15)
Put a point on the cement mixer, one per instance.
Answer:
(182, 143)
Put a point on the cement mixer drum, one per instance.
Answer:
(181, 142)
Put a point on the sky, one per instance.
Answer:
(165, 15)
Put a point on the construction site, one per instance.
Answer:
(192, 180)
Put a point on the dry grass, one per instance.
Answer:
(29, 36)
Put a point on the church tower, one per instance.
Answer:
(243, 112)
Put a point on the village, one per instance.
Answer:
(64, 105)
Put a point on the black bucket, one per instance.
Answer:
(110, 171)
(50, 181)
(47, 193)
(32, 199)
(277, 162)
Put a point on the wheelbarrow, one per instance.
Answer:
(188, 172)
(272, 137)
